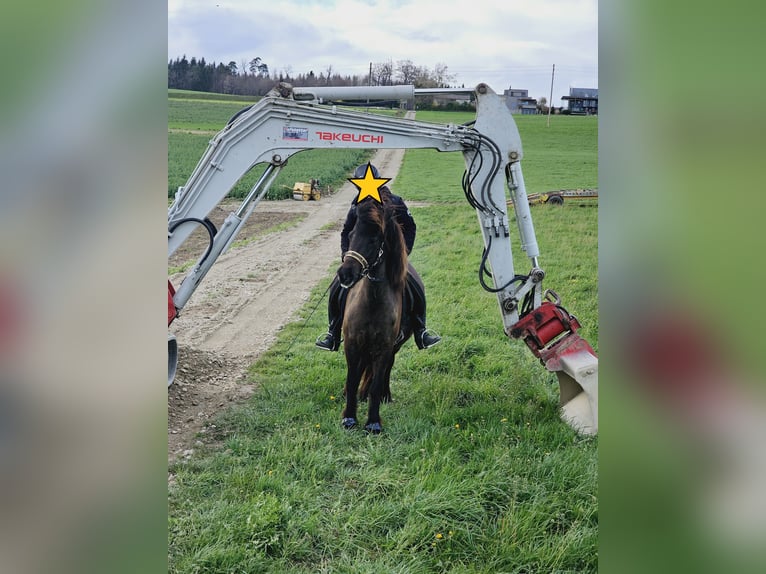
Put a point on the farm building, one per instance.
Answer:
(582, 101)
(446, 99)
(519, 102)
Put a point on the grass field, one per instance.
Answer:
(331, 167)
(192, 121)
(209, 96)
(562, 156)
(475, 472)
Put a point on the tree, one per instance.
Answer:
(252, 78)
(382, 73)
(258, 68)
(441, 75)
(407, 72)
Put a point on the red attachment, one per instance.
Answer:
(550, 332)
(569, 344)
(171, 306)
(543, 325)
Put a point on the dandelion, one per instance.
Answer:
(451, 533)
(439, 536)
(271, 472)
(457, 426)
(317, 425)
(504, 420)
(332, 397)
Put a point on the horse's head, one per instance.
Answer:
(376, 238)
(366, 241)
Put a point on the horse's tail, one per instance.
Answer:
(386, 396)
(364, 387)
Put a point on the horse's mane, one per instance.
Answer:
(396, 250)
(371, 212)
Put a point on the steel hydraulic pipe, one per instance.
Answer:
(523, 214)
(257, 192)
(223, 238)
(352, 93)
(439, 91)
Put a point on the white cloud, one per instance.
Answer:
(504, 43)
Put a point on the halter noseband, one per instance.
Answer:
(366, 267)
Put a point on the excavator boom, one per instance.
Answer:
(289, 120)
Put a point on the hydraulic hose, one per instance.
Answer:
(207, 224)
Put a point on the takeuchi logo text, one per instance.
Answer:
(347, 137)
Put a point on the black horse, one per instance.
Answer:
(374, 270)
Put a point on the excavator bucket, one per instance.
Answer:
(577, 370)
(551, 334)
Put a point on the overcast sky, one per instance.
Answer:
(501, 42)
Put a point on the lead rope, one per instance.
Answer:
(290, 346)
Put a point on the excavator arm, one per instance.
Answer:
(289, 120)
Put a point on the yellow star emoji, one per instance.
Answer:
(369, 185)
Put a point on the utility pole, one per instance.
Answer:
(369, 83)
(550, 101)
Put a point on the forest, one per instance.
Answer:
(254, 78)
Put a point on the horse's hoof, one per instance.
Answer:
(348, 423)
(373, 428)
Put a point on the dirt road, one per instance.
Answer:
(246, 298)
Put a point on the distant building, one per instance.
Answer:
(445, 99)
(519, 102)
(582, 101)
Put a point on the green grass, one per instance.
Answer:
(330, 166)
(185, 148)
(475, 472)
(203, 115)
(189, 110)
(210, 96)
(562, 156)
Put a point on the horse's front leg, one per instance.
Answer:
(381, 375)
(353, 376)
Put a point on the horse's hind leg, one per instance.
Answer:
(380, 384)
(353, 375)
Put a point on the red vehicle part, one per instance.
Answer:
(550, 332)
(172, 343)
(171, 306)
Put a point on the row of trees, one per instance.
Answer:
(255, 79)
(245, 78)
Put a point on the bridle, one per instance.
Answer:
(366, 267)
